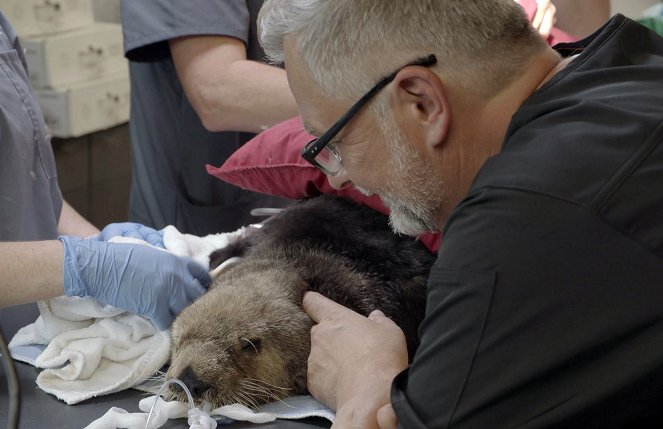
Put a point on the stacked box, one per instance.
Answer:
(62, 58)
(86, 106)
(32, 17)
(76, 65)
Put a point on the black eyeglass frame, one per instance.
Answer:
(315, 146)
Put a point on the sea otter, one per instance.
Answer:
(247, 340)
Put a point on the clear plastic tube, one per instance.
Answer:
(158, 395)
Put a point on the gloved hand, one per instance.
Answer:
(133, 277)
(133, 230)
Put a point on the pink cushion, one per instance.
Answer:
(271, 163)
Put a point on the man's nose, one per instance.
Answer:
(340, 180)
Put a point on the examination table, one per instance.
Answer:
(40, 409)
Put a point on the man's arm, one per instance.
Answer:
(228, 91)
(72, 223)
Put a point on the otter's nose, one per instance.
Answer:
(196, 385)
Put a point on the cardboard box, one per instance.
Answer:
(62, 58)
(88, 106)
(33, 17)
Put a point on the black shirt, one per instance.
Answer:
(545, 306)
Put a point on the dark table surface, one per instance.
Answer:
(42, 410)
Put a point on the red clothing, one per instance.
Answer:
(556, 35)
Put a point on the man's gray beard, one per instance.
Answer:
(404, 218)
(411, 193)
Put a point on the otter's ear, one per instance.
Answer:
(420, 105)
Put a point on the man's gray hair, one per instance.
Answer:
(347, 45)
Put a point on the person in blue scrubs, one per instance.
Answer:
(199, 90)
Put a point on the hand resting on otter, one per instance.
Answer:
(247, 340)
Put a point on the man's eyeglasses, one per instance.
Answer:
(320, 153)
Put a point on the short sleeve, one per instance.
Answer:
(148, 24)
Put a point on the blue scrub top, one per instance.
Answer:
(169, 144)
(30, 198)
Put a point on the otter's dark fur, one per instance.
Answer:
(249, 334)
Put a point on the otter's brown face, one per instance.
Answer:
(236, 347)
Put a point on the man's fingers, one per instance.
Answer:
(387, 417)
(376, 314)
(319, 307)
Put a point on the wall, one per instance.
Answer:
(631, 8)
(94, 172)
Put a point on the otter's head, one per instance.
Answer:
(246, 341)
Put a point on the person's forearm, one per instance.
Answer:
(72, 223)
(228, 91)
(30, 271)
(260, 97)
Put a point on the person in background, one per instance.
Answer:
(575, 19)
(42, 252)
(540, 166)
(199, 90)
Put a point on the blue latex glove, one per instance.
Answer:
(133, 230)
(133, 277)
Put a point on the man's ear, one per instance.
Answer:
(419, 100)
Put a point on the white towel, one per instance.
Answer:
(90, 349)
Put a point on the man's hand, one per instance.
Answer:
(387, 417)
(353, 360)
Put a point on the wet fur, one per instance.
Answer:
(247, 339)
